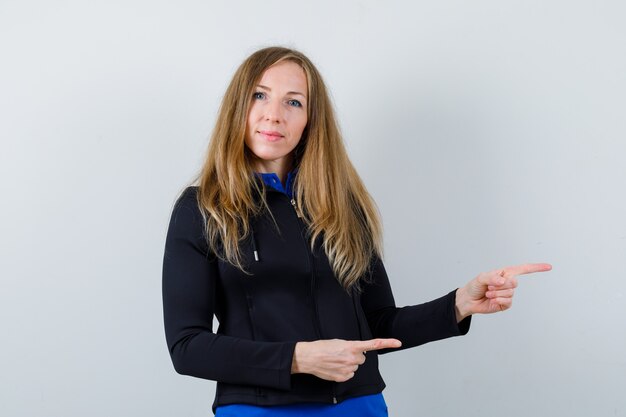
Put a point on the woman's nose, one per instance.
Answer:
(273, 111)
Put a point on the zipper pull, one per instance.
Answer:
(334, 400)
(295, 207)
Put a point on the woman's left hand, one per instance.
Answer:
(491, 292)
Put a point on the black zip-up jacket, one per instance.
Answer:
(291, 295)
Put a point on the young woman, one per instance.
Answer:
(280, 240)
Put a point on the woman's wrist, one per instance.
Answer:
(296, 365)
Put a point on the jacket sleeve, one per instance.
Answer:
(412, 325)
(188, 286)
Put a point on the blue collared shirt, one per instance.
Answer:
(272, 180)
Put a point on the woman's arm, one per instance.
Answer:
(412, 325)
(189, 283)
(397, 328)
(450, 315)
(393, 329)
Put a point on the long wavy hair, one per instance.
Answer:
(335, 204)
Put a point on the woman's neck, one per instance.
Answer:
(280, 167)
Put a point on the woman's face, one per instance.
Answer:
(277, 117)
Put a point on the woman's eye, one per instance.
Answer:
(258, 95)
(294, 103)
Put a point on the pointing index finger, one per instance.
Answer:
(525, 269)
(375, 344)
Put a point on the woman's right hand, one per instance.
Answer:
(335, 359)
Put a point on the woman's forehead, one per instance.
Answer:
(287, 76)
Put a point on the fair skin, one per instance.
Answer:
(277, 117)
(276, 120)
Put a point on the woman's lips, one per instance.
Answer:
(271, 135)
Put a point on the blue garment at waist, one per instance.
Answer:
(362, 406)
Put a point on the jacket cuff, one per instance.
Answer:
(286, 359)
(462, 326)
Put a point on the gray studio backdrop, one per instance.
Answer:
(490, 133)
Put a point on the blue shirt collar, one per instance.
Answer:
(272, 180)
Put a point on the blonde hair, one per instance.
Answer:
(334, 202)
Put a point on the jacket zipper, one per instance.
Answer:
(312, 265)
(295, 207)
(313, 275)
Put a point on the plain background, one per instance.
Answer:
(490, 133)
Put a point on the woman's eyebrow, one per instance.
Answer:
(288, 92)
